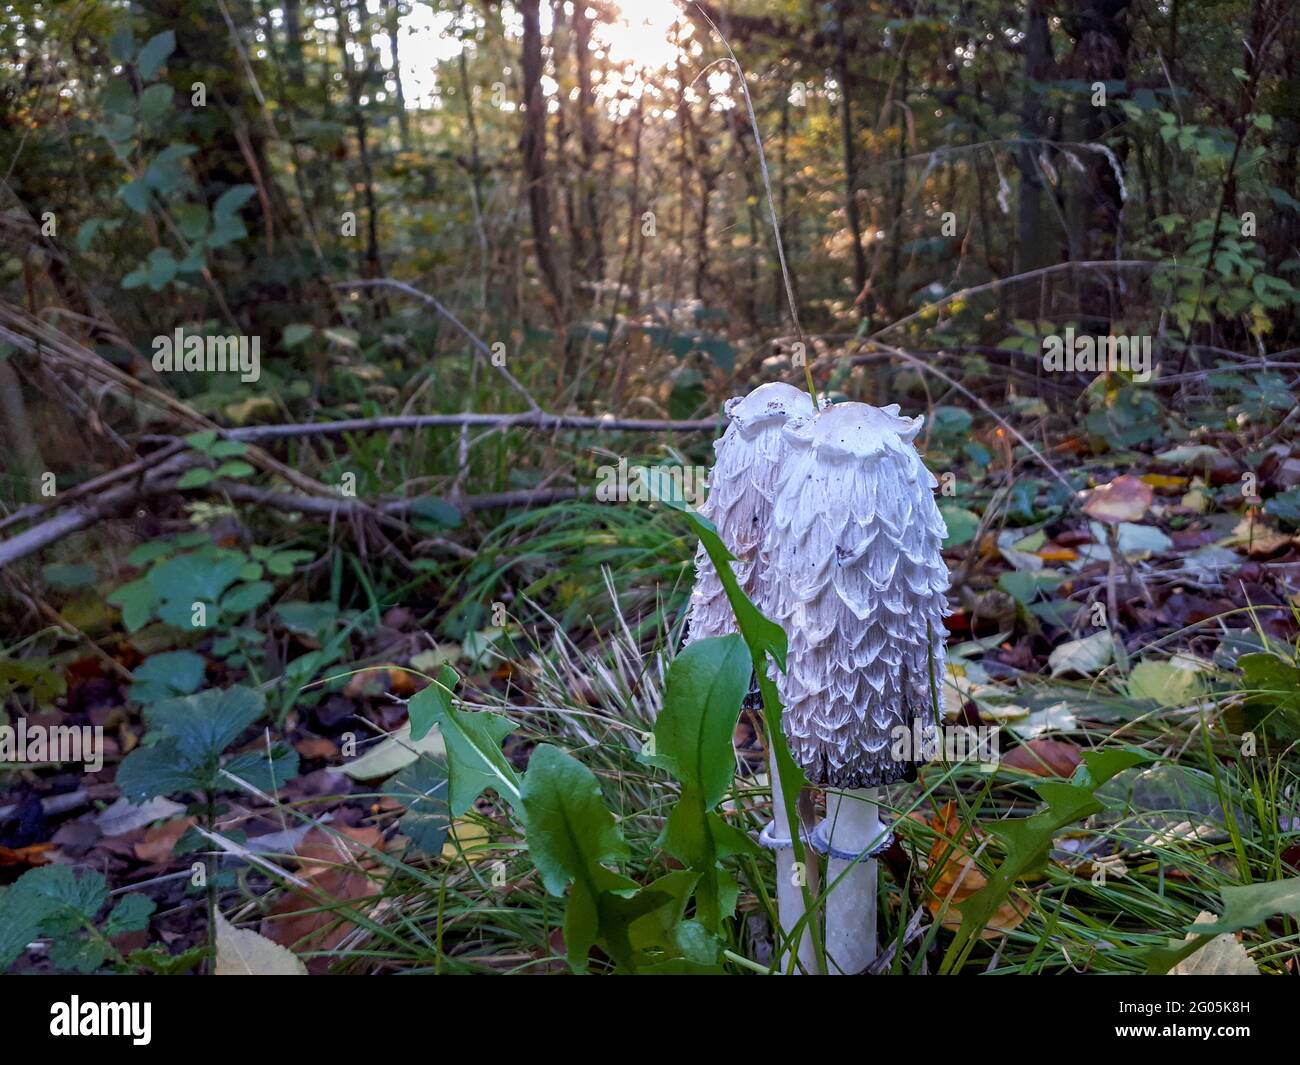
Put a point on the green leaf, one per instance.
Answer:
(267, 772)
(204, 725)
(694, 741)
(422, 788)
(203, 440)
(230, 201)
(282, 562)
(1273, 694)
(157, 961)
(1028, 840)
(68, 575)
(437, 511)
(1243, 907)
(694, 732)
(570, 833)
(165, 676)
(247, 597)
(200, 576)
(131, 914)
(121, 46)
(154, 54)
(148, 772)
(1246, 907)
(234, 469)
(196, 477)
(155, 102)
(228, 449)
(295, 334)
(474, 757)
(765, 640)
(137, 601)
(962, 525)
(135, 195)
(1285, 506)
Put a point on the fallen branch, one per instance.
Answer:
(530, 420)
(344, 507)
(161, 480)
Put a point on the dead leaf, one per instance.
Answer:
(469, 837)
(30, 855)
(316, 747)
(1046, 758)
(124, 816)
(1057, 553)
(959, 879)
(159, 841)
(1257, 536)
(1221, 956)
(338, 869)
(1126, 498)
(1164, 482)
(242, 952)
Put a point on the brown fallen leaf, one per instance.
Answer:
(1057, 553)
(30, 855)
(160, 840)
(1258, 537)
(959, 878)
(339, 870)
(1126, 498)
(1045, 758)
(316, 747)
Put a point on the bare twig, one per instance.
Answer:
(534, 420)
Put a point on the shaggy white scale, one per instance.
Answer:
(838, 538)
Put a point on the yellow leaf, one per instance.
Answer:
(469, 837)
(242, 952)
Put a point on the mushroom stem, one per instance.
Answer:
(789, 893)
(852, 826)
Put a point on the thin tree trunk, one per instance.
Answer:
(403, 119)
(532, 146)
(589, 204)
(850, 153)
(1033, 244)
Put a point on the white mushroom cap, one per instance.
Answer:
(855, 576)
(741, 485)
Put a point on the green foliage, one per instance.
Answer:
(1272, 686)
(40, 677)
(1027, 840)
(422, 788)
(57, 903)
(693, 741)
(1243, 907)
(164, 676)
(474, 756)
(188, 738)
(571, 835)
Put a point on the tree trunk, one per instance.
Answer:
(532, 147)
(842, 75)
(1035, 247)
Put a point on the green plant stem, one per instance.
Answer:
(209, 822)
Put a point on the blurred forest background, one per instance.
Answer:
(433, 216)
